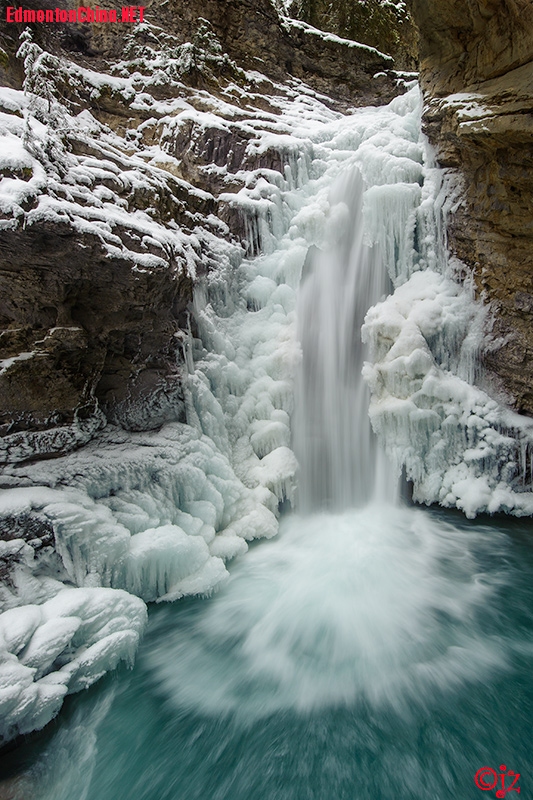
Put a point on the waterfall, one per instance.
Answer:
(333, 440)
(337, 657)
(358, 601)
(355, 599)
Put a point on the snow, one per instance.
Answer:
(78, 197)
(468, 105)
(142, 517)
(331, 37)
(13, 155)
(6, 363)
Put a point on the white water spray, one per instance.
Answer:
(333, 441)
(358, 599)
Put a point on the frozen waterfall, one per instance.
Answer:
(356, 208)
(359, 599)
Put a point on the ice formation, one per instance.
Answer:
(156, 516)
(62, 645)
(459, 446)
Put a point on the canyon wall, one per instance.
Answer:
(385, 24)
(476, 61)
(97, 263)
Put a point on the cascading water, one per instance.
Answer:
(367, 651)
(334, 444)
(354, 601)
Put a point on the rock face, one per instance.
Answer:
(477, 74)
(99, 245)
(252, 34)
(385, 24)
(88, 328)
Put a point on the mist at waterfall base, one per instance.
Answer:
(359, 655)
(352, 600)
(370, 651)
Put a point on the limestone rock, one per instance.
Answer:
(99, 254)
(477, 74)
(466, 42)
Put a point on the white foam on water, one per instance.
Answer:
(159, 513)
(381, 604)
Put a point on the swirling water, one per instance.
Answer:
(391, 665)
(371, 651)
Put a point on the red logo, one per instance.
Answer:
(486, 779)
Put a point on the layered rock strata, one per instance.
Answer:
(477, 75)
(96, 261)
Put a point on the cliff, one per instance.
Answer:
(476, 61)
(385, 24)
(107, 220)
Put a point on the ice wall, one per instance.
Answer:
(157, 515)
(430, 405)
(144, 517)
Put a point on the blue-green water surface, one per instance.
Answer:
(292, 685)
